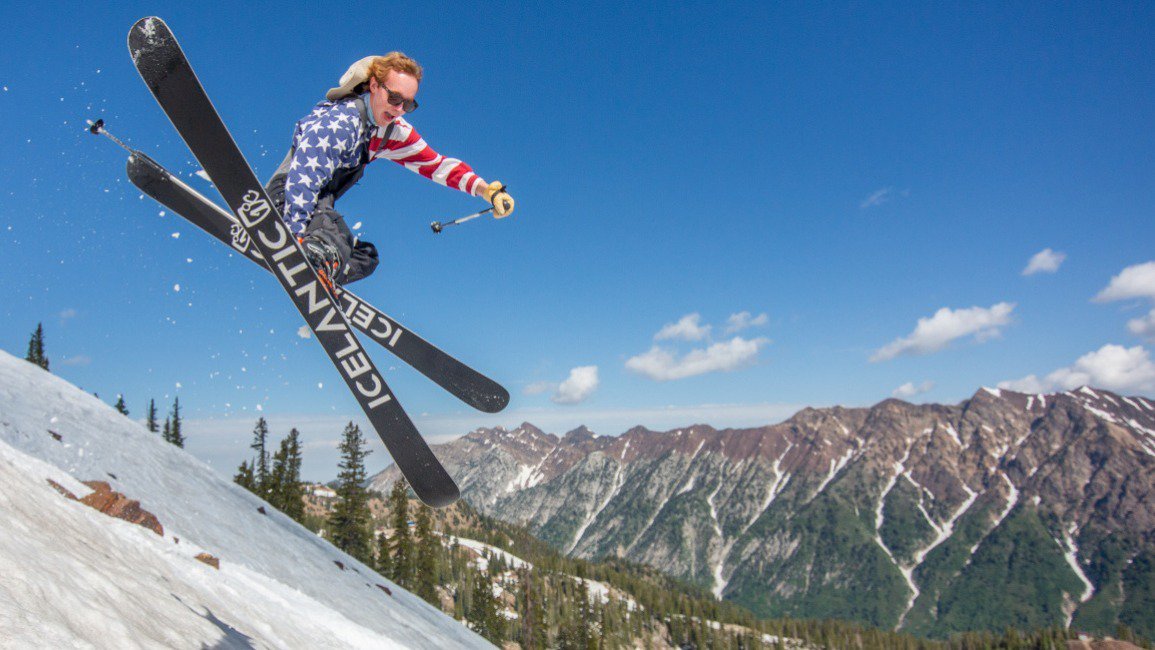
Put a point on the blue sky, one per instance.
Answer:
(867, 182)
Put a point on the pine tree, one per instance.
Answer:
(585, 613)
(31, 356)
(401, 544)
(275, 482)
(532, 611)
(426, 564)
(36, 348)
(120, 405)
(261, 462)
(167, 435)
(244, 476)
(459, 571)
(173, 426)
(286, 492)
(294, 486)
(384, 564)
(351, 519)
(152, 422)
(482, 611)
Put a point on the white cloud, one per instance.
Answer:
(884, 195)
(661, 364)
(935, 333)
(539, 387)
(1045, 261)
(877, 198)
(909, 390)
(689, 328)
(1113, 367)
(1136, 281)
(581, 383)
(1028, 384)
(67, 314)
(1143, 327)
(304, 332)
(744, 320)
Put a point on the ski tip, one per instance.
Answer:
(495, 402)
(142, 170)
(440, 500)
(146, 34)
(146, 27)
(433, 485)
(149, 25)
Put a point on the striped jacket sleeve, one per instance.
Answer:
(406, 147)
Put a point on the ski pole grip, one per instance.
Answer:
(504, 201)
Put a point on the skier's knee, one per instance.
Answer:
(359, 259)
(362, 263)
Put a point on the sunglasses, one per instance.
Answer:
(396, 99)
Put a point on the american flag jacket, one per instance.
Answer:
(338, 136)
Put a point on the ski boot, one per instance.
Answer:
(324, 257)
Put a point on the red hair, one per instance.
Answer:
(396, 61)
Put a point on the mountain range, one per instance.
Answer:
(1007, 509)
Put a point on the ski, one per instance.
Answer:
(462, 381)
(167, 73)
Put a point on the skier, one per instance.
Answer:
(360, 121)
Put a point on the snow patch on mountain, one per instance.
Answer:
(836, 466)
(719, 582)
(944, 533)
(1071, 553)
(482, 549)
(950, 431)
(774, 489)
(617, 485)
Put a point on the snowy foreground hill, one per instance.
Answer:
(71, 576)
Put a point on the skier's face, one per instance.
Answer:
(400, 85)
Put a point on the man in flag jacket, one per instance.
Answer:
(361, 121)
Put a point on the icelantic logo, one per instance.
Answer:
(241, 239)
(254, 209)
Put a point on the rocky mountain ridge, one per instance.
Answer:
(1006, 509)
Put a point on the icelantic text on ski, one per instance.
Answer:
(273, 233)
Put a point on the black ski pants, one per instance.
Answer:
(358, 258)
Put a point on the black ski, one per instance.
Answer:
(168, 74)
(468, 385)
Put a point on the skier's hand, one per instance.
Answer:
(502, 202)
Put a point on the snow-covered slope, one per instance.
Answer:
(71, 576)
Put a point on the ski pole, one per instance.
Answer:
(97, 128)
(437, 226)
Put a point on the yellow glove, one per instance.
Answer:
(502, 202)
